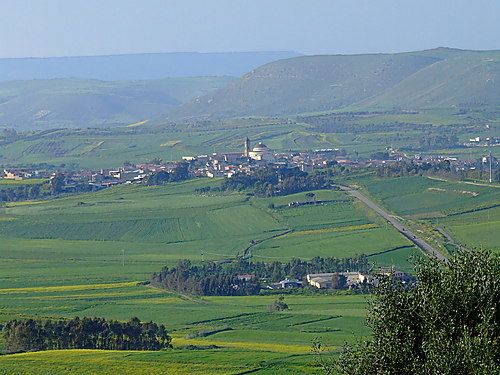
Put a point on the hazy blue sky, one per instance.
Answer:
(90, 27)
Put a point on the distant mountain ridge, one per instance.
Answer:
(138, 66)
(41, 104)
(435, 78)
(431, 78)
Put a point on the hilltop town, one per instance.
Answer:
(251, 158)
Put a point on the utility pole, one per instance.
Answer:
(491, 177)
(202, 256)
(123, 258)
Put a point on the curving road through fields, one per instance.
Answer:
(428, 249)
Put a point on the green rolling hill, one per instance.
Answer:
(468, 79)
(439, 78)
(427, 79)
(40, 104)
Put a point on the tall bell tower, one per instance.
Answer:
(247, 147)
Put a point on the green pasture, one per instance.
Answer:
(111, 148)
(206, 362)
(255, 339)
(8, 183)
(417, 195)
(339, 227)
(477, 229)
(469, 212)
(127, 232)
(336, 317)
(84, 255)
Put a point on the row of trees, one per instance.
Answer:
(57, 185)
(221, 279)
(442, 140)
(22, 192)
(297, 268)
(355, 122)
(444, 168)
(85, 333)
(210, 279)
(410, 168)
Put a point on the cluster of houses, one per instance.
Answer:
(20, 174)
(227, 164)
(341, 280)
(482, 141)
(456, 164)
(219, 164)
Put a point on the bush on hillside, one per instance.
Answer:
(277, 305)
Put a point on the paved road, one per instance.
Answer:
(395, 223)
(494, 185)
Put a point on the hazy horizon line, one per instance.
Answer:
(241, 52)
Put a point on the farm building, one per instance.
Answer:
(320, 280)
(332, 279)
(15, 174)
(290, 283)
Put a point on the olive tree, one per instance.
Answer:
(447, 323)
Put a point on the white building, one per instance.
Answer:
(259, 152)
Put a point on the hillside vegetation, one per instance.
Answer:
(399, 83)
(84, 255)
(41, 104)
(360, 135)
(462, 79)
(435, 78)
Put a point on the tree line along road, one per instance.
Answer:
(428, 249)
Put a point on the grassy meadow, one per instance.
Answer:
(184, 362)
(89, 254)
(112, 147)
(253, 339)
(85, 255)
(468, 212)
(127, 232)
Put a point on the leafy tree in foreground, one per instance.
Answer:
(448, 323)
